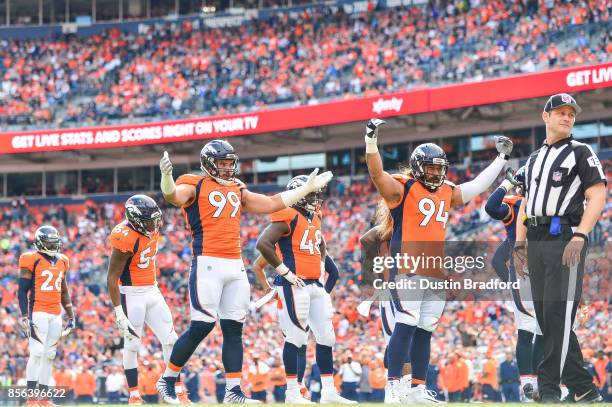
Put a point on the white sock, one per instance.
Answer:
(170, 373)
(327, 383)
(33, 369)
(292, 384)
(178, 388)
(231, 383)
(134, 393)
(166, 352)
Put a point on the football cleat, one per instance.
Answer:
(394, 393)
(420, 395)
(166, 391)
(236, 396)
(588, 397)
(332, 397)
(295, 397)
(136, 401)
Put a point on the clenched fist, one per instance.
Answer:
(371, 135)
(504, 146)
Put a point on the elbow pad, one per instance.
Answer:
(483, 181)
(495, 206)
(25, 284)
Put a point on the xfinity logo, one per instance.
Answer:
(382, 105)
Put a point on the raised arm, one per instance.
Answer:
(388, 187)
(463, 193)
(181, 195)
(258, 203)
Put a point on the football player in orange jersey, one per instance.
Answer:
(293, 244)
(419, 202)
(218, 284)
(138, 300)
(42, 292)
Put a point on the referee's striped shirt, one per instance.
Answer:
(556, 177)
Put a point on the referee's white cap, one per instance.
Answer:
(561, 99)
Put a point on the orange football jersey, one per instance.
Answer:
(214, 217)
(140, 269)
(299, 249)
(48, 273)
(419, 225)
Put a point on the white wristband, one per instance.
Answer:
(371, 145)
(282, 269)
(167, 184)
(507, 185)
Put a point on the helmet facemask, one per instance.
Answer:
(434, 174)
(223, 175)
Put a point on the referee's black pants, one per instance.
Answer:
(556, 291)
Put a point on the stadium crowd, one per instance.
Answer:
(186, 69)
(468, 347)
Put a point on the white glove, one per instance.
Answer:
(315, 183)
(123, 323)
(24, 324)
(371, 135)
(69, 328)
(364, 308)
(318, 182)
(167, 182)
(165, 165)
(284, 272)
(504, 146)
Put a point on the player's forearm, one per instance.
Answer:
(268, 251)
(260, 277)
(113, 288)
(521, 229)
(66, 301)
(596, 201)
(25, 284)
(375, 168)
(483, 181)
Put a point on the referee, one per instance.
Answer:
(559, 177)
